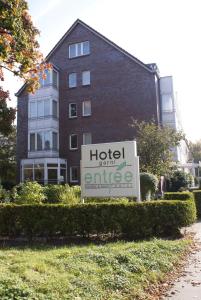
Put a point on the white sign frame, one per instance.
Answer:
(110, 170)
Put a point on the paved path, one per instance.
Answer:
(188, 286)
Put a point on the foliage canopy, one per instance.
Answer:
(155, 144)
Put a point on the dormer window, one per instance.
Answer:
(79, 49)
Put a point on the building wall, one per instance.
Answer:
(120, 89)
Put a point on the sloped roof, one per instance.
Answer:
(78, 21)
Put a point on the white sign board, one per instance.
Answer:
(110, 170)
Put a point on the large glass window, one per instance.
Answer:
(73, 141)
(167, 103)
(86, 78)
(54, 140)
(32, 142)
(47, 140)
(28, 174)
(55, 78)
(47, 108)
(54, 108)
(74, 174)
(40, 109)
(72, 110)
(79, 49)
(86, 108)
(39, 173)
(33, 109)
(87, 139)
(72, 80)
(40, 141)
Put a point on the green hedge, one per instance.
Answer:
(178, 196)
(134, 220)
(197, 197)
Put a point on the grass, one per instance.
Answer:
(121, 270)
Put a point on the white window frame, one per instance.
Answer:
(43, 108)
(83, 111)
(71, 179)
(69, 111)
(70, 140)
(75, 85)
(84, 81)
(77, 45)
(84, 138)
(43, 140)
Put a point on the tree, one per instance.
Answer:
(195, 149)
(154, 145)
(8, 158)
(7, 114)
(19, 49)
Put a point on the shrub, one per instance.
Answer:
(178, 196)
(106, 200)
(134, 220)
(148, 185)
(4, 195)
(197, 197)
(179, 180)
(29, 193)
(61, 194)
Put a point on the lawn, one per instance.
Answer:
(121, 270)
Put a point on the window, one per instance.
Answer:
(40, 141)
(54, 78)
(54, 140)
(86, 108)
(40, 109)
(33, 110)
(43, 141)
(46, 108)
(32, 142)
(72, 80)
(79, 49)
(87, 138)
(47, 140)
(74, 174)
(86, 78)
(73, 141)
(167, 103)
(54, 108)
(72, 110)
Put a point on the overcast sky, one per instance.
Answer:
(166, 32)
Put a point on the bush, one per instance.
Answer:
(179, 180)
(197, 197)
(148, 185)
(106, 200)
(61, 194)
(29, 193)
(134, 220)
(178, 196)
(4, 195)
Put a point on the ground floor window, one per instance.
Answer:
(73, 174)
(44, 173)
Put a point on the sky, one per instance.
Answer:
(166, 32)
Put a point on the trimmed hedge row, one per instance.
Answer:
(197, 198)
(178, 196)
(134, 220)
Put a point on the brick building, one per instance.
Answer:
(90, 96)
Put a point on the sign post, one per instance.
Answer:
(110, 170)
